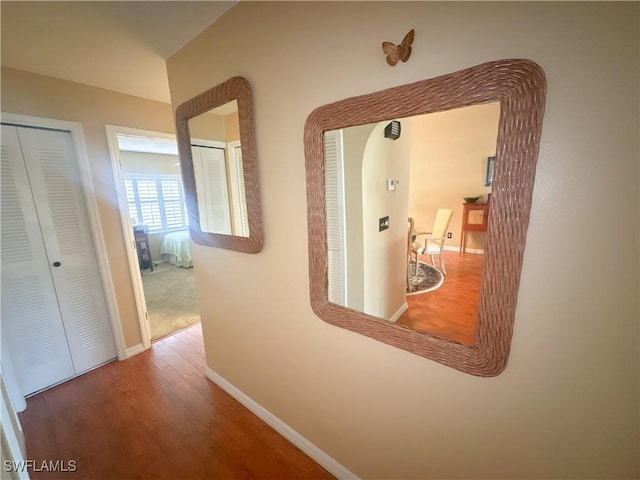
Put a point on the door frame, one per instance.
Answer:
(234, 179)
(127, 227)
(95, 225)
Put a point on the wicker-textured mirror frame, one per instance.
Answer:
(520, 87)
(236, 88)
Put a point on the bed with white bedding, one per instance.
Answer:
(176, 249)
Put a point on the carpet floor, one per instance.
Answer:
(172, 304)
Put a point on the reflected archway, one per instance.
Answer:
(439, 159)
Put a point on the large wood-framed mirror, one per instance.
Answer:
(218, 164)
(519, 88)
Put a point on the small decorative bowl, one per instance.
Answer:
(471, 199)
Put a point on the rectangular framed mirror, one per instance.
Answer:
(218, 164)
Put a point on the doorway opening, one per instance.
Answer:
(155, 220)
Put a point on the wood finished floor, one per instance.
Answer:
(450, 311)
(156, 416)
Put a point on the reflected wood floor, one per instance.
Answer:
(156, 416)
(450, 311)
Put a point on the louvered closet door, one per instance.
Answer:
(31, 320)
(335, 217)
(214, 189)
(53, 173)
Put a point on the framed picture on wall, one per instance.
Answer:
(489, 176)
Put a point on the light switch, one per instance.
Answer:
(391, 184)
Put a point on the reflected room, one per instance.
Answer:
(407, 205)
(218, 171)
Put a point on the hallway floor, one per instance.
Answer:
(156, 416)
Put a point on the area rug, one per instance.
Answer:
(428, 278)
(170, 293)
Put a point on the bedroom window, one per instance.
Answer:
(156, 201)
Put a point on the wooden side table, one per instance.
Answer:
(475, 218)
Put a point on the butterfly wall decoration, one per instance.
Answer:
(398, 52)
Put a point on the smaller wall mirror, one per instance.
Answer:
(516, 89)
(217, 154)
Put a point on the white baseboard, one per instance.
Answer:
(403, 308)
(332, 466)
(135, 350)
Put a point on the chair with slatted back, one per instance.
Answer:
(434, 241)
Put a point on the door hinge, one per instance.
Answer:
(146, 316)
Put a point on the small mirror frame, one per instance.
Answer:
(520, 87)
(236, 88)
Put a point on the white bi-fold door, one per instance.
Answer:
(210, 170)
(54, 314)
(222, 203)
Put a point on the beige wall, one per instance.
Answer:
(213, 126)
(354, 140)
(207, 126)
(384, 253)
(232, 127)
(448, 162)
(143, 162)
(40, 96)
(567, 404)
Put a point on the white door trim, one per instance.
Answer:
(200, 142)
(12, 436)
(95, 225)
(130, 243)
(238, 195)
(11, 379)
